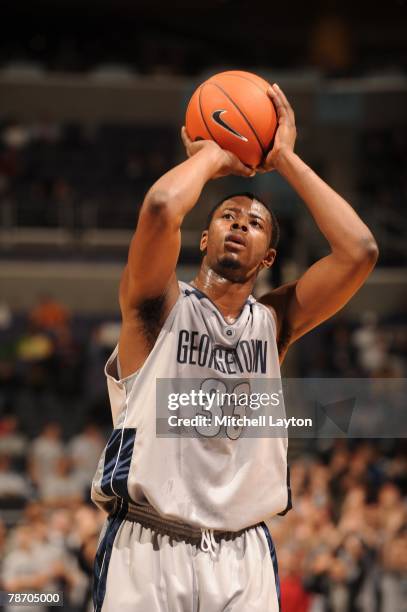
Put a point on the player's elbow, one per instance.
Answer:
(158, 208)
(366, 253)
(373, 251)
(156, 204)
(370, 250)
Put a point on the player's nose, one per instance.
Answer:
(239, 226)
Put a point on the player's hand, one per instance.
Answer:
(227, 162)
(286, 133)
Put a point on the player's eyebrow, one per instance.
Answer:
(239, 210)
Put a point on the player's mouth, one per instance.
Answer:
(235, 241)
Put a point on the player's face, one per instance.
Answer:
(237, 241)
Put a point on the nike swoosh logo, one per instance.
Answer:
(216, 116)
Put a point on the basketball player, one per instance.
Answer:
(186, 529)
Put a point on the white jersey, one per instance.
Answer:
(219, 482)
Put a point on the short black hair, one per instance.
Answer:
(275, 228)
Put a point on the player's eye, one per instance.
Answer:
(255, 224)
(227, 216)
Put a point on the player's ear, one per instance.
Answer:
(269, 258)
(204, 241)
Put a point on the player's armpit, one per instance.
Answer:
(277, 302)
(141, 323)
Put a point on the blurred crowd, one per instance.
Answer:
(344, 546)
(48, 529)
(367, 346)
(49, 449)
(77, 177)
(51, 366)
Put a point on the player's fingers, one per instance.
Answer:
(274, 100)
(186, 141)
(271, 93)
(282, 95)
(278, 103)
(279, 97)
(246, 172)
(274, 95)
(185, 138)
(284, 108)
(286, 103)
(267, 165)
(242, 170)
(236, 166)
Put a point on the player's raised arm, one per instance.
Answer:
(329, 283)
(149, 287)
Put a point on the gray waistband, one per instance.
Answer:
(148, 517)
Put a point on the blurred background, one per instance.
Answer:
(92, 97)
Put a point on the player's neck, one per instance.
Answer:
(228, 296)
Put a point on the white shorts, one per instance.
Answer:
(145, 568)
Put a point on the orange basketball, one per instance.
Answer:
(233, 109)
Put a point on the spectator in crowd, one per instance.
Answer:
(85, 540)
(16, 135)
(60, 488)
(34, 564)
(393, 581)
(68, 362)
(35, 357)
(6, 316)
(46, 450)
(370, 343)
(25, 568)
(294, 597)
(85, 449)
(12, 441)
(49, 314)
(14, 487)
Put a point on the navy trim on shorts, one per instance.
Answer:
(118, 456)
(274, 561)
(103, 556)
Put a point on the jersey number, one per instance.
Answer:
(213, 386)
